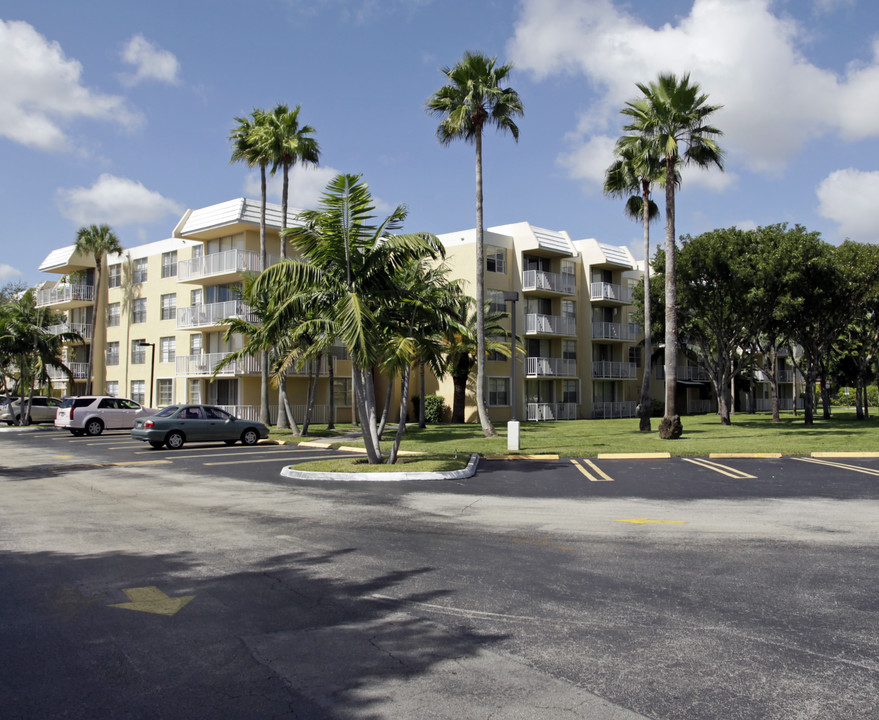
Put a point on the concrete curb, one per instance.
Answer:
(634, 456)
(467, 472)
(841, 454)
(744, 456)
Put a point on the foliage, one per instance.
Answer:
(435, 409)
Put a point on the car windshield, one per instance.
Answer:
(170, 410)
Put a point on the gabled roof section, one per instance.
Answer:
(617, 255)
(66, 259)
(553, 241)
(229, 217)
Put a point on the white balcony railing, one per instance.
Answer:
(551, 411)
(782, 376)
(615, 331)
(608, 410)
(550, 367)
(609, 369)
(319, 413)
(550, 325)
(212, 314)
(783, 403)
(685, 372)
(698, 407)
(79, 369)
(610, 291)
(564, 283)
(65, 293)
(85, 331)
(221, 263)
(206, 363)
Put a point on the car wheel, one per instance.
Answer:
(230, 442)
(250, 437)
(76, 433)
(174, 440)
(94, 427)
(157, 444)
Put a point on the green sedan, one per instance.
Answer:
(177, 424)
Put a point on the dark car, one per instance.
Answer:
(178, 424)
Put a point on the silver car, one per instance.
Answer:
(42, 410)
(92, 414)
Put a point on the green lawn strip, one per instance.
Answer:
(703, 434)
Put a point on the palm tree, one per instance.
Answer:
(249, 146)
(97, 241)
(345, 274)
(672, 117)
(631, 176)
(473, 99)
(288, 143)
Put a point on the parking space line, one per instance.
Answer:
(322, 456)
(601, 475)
(722, 469)
(843, 466)
(247, 452)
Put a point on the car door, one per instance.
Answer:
(128, 411)
(218, 423)
(193, 424)
(52, 409)
(108, 411)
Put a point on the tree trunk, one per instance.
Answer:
(825, 396)
(401, 426)
(264, 416)
(487, 427)
(645, 406)
(422, 422)
(283, 409)
(671, 293)
(367, 416)
(387, 407)
(313, 378)
(808, 397)
(331, 378)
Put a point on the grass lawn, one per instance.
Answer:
(703, 434)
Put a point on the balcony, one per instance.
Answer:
(538, 412)
(602, 291)
(615, 331)
(212, 314)
(66, 297)
(782, 376)
(204, 364)
(85, 331)
(550, 367)
(609, 410)
(221, 267)
(546, 283)
(550, 325)
(685, 372)
(614, 370)
(80, 371)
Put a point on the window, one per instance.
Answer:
(138, 354)
(635, 356)
(169, 264)
(193, 391)
(569, 309)
(138, 311)
(342, 392)
(112, 387)
(496, 300)
(114, 314)
(114, 275)
(138, 391)
(496, 356)
(167, 346)
(112, 353)
(195, 344)
(169, 306)
(569, 349)
(195, 297)
(140, 270)
(165, 392)
(570, 391)
(495, 259)
(569, 267)
(498, 391)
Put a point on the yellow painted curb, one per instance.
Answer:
(841, 454)
(349, 448)
(310, 443)
(733, 456)
(634, 456)
(522, 457)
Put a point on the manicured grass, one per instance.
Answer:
(703, 434)
(431, 464)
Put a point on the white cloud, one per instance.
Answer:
(42, 89)
(151, 62)
(848, 197)
(9, 273)
(115, 201)
(747, 59)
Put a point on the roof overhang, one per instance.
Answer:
(66, 260)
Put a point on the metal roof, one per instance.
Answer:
(223, 218)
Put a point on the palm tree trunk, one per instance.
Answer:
(401, 426)
(284, 409)
(487, 427)
(331, 379)
(422, 422)
(264, 416)
(671, 294)
(367, 415)
(313, 377)
(645, 405)
(387, 407)
(283, 422)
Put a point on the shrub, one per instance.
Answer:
(435, 409)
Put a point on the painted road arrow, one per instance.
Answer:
(152, 600)
(645, 521)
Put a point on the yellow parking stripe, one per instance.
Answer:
(600, 476)
(843, 466)
(722, 469)
(251, 460)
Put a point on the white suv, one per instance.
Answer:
(91, 415)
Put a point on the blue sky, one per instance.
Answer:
(120, 111)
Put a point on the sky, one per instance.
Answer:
(119, 111)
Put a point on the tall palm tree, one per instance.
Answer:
(97, 241)
(288, 144)
(632, 174)
(473, 99)
(249, 146)
(345, 274)
(672, 116)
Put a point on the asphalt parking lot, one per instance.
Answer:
(199, 583)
